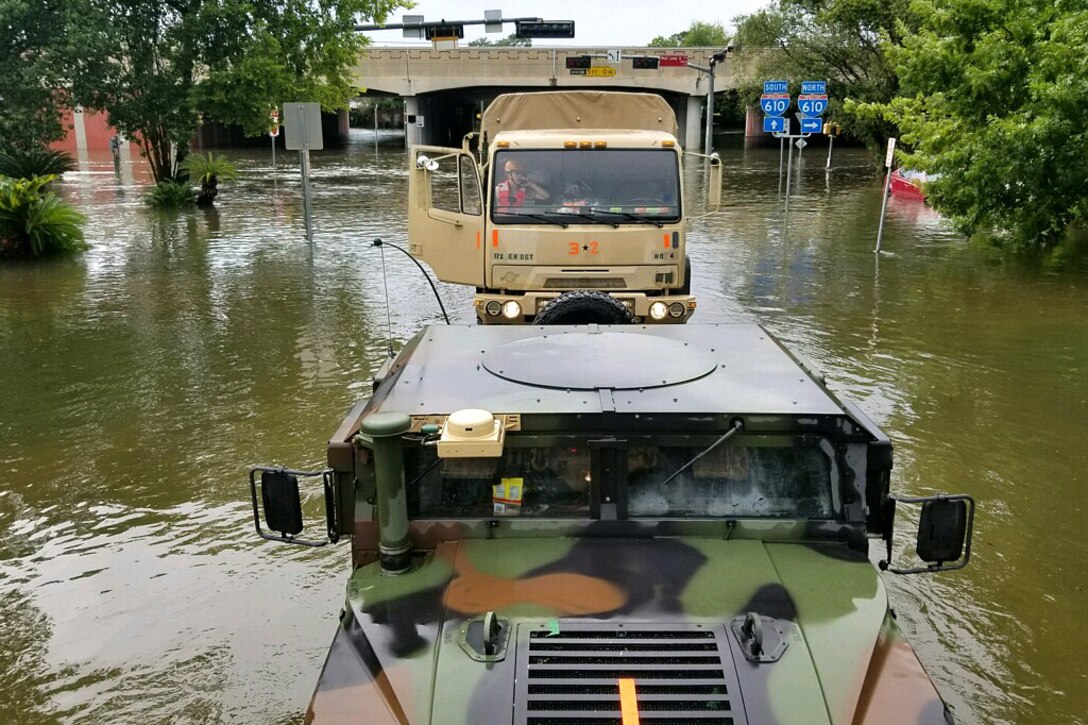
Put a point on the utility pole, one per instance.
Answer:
(715, 59)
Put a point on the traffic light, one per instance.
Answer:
(644, 62)
(577, 62)
(545, 29)
(444, 31)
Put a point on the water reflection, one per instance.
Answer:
(141, 379)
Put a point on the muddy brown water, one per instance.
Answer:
(138, 380)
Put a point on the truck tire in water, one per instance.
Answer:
(583, 307)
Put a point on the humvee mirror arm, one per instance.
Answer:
(331, 525)
(379, 243)
(936, 565)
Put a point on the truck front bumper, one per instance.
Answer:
(495, 309)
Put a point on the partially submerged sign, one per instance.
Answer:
(302, 126)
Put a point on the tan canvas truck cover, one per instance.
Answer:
(578, 109)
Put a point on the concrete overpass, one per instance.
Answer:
(444, 89)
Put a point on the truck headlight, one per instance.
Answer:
(676, 309)
(511, 310)
(493, 308)
(658, 310)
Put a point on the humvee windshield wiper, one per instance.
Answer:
(629, 215)
(541, 217)
(737, 427)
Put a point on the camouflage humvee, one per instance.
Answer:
(628, 524)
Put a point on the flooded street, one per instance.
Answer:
(140, 379)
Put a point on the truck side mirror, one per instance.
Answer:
(714, 185)
(282, 504)
(944, 533)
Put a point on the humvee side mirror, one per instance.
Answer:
(944, 532)
(282, 504)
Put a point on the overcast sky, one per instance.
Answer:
(611, 23)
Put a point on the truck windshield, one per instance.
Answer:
(778, 478)
(586, 186)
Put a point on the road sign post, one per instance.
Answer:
(887, 185)
(302, 124)
(274, 131)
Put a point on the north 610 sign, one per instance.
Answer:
(812, 106)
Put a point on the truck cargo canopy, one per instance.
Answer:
(578, 109)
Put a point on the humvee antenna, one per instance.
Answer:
(738, 425)
(379, 243)
(388, 316)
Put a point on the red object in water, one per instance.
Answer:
(908, 184)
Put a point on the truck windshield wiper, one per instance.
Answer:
(541, 217)
(629, 215)
(591, 215)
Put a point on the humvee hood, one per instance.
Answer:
(576, 616)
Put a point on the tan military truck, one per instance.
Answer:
(570, 211)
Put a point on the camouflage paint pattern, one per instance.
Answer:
(847, 662)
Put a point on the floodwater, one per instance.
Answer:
(139, 380)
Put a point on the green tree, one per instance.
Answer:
(698, 35)
(33, 55)
(841, 41)
(995, 99)
(157, 66)
(509, 41)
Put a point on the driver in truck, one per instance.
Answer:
(516, 187)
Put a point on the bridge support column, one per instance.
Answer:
(753, 122)
(412, 132)
(693, 137)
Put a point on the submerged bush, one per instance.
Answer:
(34, 222)
(208, 170)
(36, 162)
(170, 194)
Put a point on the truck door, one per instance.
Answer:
(446, 213)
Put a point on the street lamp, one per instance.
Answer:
(715, 59)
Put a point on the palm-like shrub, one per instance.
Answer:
(34, 222)
(170, 194)
(35, 162)
(208, 170)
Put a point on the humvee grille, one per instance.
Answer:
(682, 673)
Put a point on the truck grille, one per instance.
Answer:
(584, 283)
(682, 674)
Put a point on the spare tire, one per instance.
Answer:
(584, 307)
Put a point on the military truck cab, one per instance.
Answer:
(601, 524)
(575, 203)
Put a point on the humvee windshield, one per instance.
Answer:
(795, 477)
(586, 186)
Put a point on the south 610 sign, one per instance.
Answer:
(774, 104)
